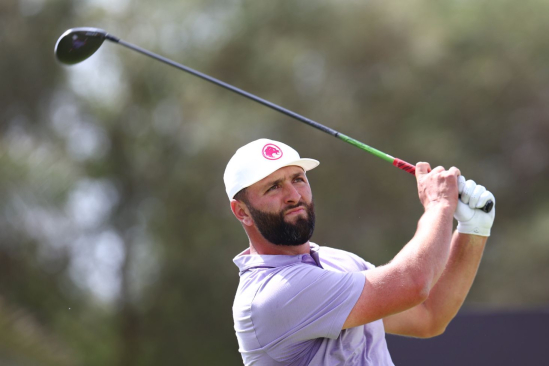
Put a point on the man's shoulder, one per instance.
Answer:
(275, 281)
(266, 293)
(268, 289)
(284, 281)
(351, 261)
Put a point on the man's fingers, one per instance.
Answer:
(422, 168)
(461, 184)
(477, 192)
(438, 169)
(468, 191)
(484, 198)
(455, 171)
(472, 194)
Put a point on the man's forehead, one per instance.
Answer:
(280, 174)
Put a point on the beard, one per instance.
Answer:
(277, 231)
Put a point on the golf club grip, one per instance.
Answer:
(407, 167)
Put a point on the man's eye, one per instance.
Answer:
(272, 188)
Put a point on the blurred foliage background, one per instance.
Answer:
(116, 237)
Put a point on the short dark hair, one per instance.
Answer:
(242, 195)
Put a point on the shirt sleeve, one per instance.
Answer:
(302, 303)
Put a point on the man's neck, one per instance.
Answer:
(272, 249)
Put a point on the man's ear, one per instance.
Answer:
(241, 212)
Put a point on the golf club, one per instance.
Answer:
(77, 44)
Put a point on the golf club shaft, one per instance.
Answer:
(401, 164)
(396, 162)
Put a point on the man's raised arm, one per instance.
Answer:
(445, 299)
(406, 281)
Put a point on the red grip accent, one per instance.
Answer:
(401, 164)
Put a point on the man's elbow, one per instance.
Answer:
(432, 332)
(429, 332)
(432, 327)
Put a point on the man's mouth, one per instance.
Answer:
(295, 210)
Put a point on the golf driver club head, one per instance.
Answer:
(77, 44)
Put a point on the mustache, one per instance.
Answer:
(299, 204)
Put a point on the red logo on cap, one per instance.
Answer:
(272, 152)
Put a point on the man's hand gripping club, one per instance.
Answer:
(472, 220)
(437, 186)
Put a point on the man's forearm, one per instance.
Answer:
(405, 282)
(426, 255)
(447, 296)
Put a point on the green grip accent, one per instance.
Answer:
(365, 147)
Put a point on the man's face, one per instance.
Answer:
(282, 208)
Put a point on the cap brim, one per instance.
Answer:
(306, 164)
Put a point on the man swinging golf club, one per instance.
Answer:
(302, 304)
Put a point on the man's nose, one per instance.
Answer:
(291, 195)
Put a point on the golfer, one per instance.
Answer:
(302, 304)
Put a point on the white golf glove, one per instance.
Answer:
(471, 219)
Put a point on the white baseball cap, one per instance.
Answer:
(258, 159)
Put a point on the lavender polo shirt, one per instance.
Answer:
(289, 310)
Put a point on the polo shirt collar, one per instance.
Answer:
(245, 261)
